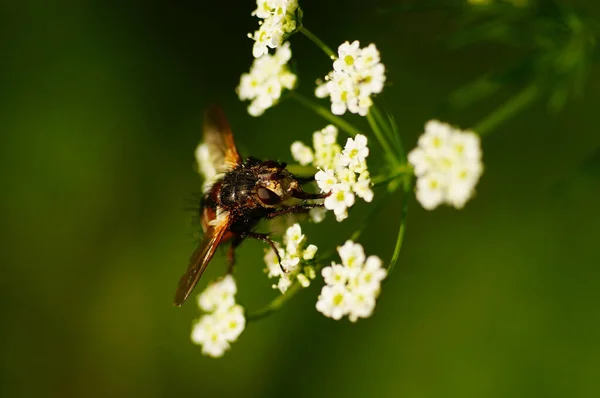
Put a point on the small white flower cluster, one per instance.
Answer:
(205, 166)
(447, 163)
(278, 19)
(268, 77)
(357, 74)
(326, 149)
(224, 320)
(353, 286)
(342, 172)
(295, 258)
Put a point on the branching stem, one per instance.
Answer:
(325, 113)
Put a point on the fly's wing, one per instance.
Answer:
(202, 256)
(219, 141)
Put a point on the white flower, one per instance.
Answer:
(371, 274)
(321, 91)
(355, 152)
(362, 189)
(278, 20)
(351, 288)
(273, 267)
(224, 320)
(347, 57)
(268, 77)
(294, 260)
(233, 322)
(447, 163)
(343, 93)
(317, 214)
(326, 148)
(437, 135)
(325, 137)
(341, 174)
(303, 280)
(352, 254)
(333, 301)
(220, 294)
(363, 105)
(293, 237)
(463, 179)
(270, 34)
(420, 161)
(369, 58)
(372, 80)
(430, 190)
(336, 274)
(467, 145)
(302, 153)
(207, 333)
(326, 180)
(345, 177)
(309, 252)
(361, 303)
(263, 9)
(283, 284)
(357, 75)
(290, 262)
(205, 166)
(339, 201)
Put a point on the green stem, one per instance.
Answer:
(402, 227)
(382, 140)
(507, 110)
(396, 173)
(318, 42)
(274, 305)
(325, 113)
(393, 132)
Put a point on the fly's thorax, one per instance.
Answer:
(237, 188)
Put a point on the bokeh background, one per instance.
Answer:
(100, 112)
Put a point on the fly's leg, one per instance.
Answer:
(310, 196)
(265, 238)
(301, 208)
(231, 253)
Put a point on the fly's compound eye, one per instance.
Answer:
(267, 196)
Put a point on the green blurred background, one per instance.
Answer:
(100, 113)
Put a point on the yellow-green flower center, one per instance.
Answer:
(337, 299)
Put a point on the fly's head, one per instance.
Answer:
(274, 183)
